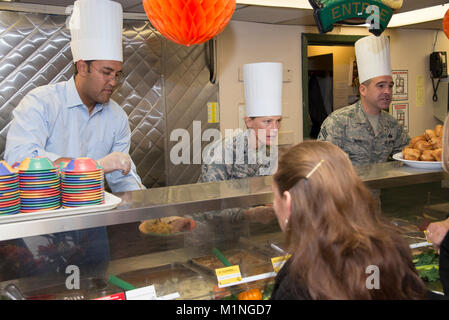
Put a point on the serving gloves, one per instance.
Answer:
(116, 161)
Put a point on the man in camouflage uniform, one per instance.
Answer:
(366, 132)
(245, 154)
(351, 130)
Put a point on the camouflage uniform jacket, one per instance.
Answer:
(350, 129)
(236, 160)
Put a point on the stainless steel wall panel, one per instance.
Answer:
(143, 103)
(165, 87)
(188, 90)
(34, 50)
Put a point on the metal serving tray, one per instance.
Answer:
(90, 288)
(171, 278)
(156, 275)
(250, 262)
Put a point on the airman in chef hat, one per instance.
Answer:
(96, 31)
(374, 68)
(263, 98)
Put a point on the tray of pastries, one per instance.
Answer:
(424, 151)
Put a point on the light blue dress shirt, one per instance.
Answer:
(53, 122)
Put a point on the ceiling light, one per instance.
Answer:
(418, 16)
(397, 20)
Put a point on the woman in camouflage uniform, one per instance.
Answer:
(245, 154)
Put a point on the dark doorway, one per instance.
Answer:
(313, 111)
(320, 90)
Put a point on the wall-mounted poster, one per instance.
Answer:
(400, 88)
(400, 112)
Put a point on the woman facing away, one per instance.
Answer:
(336, 234)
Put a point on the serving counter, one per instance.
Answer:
(200, 197)
(112, 244)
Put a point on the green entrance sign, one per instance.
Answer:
(373, 12)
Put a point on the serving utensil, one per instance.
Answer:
(141, 186)
(221, 257)
(420, 244)
(275, 247)
(121, 283)
(13, 292)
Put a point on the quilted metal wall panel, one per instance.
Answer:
(166, 85)
(187, 91)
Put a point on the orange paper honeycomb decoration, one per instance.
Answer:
(189, 22)
(446, 23)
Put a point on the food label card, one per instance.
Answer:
(145, 293)
(228, 275)
(278, 262)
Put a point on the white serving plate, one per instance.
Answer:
(418, 164)
(110, 202)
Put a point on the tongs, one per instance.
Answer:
(13, 292)
(141, 186)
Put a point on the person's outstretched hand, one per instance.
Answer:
(116, 161)
(436, 232)
(260, 214)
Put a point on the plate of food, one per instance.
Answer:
(424, 151)
(418, 163)
(168, 226)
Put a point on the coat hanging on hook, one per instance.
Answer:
(189, 22)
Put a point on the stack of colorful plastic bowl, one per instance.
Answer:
(39, 185)
(82, 183)
(9, 190)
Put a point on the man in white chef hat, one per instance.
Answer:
(365, 130)
(77, 118)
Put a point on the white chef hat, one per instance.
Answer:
(373, 57)
(263, 89)
(96, 29)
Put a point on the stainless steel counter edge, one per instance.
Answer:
(196, 198)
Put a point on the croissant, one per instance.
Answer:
(429, 134)
(435, 142)
(439, 130)
(423, 145)
(437, 154)
(411, 154)
(415, 140)
(427, 155)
